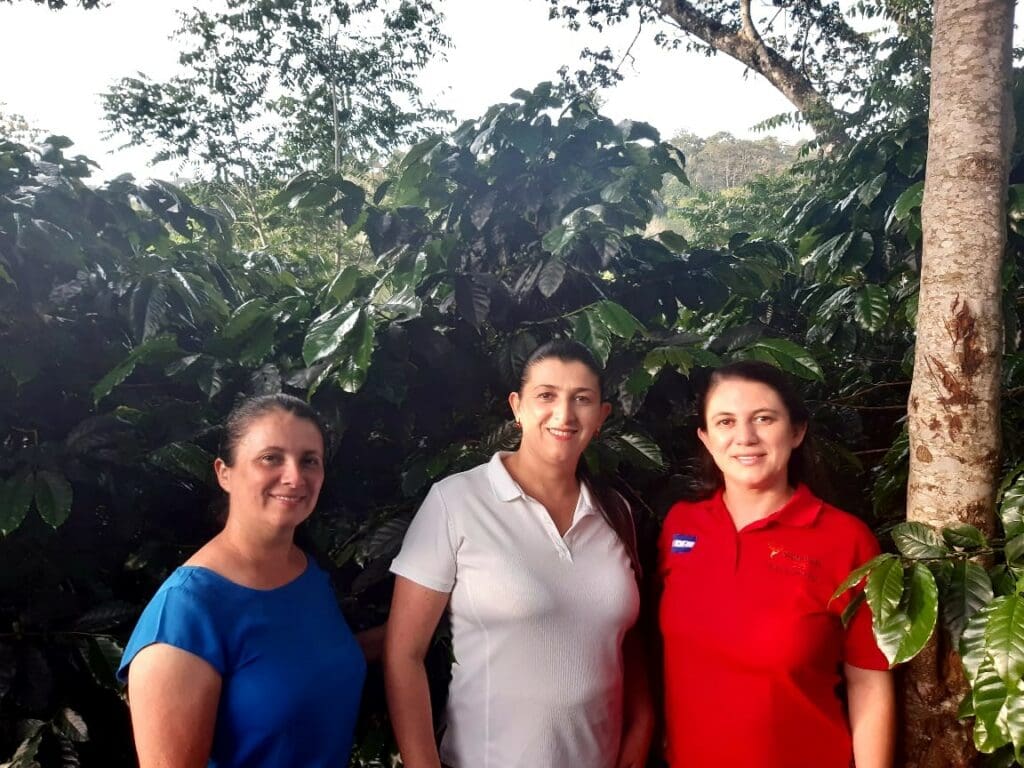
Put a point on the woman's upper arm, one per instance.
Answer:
(173, 697)
(415, 612)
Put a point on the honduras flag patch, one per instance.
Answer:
(682, 543)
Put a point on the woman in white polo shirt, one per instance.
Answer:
(539, 577)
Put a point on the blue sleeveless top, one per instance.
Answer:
(291, 671)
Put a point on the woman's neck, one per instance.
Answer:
(748, 505)
(541, 479)
(253, 558)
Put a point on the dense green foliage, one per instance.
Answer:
(131, 324)
(131, 320)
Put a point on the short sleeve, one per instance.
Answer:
(859, 646)
(428, 551)
(176, 616)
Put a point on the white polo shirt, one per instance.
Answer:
(537, 622)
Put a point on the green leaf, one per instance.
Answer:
(868, 191)
(343, 284)
(922, 610)
(15, 499)
(916, 541)
(884, 591)
(618, 320)
(152, 350)
(473, 300)
(673, 241)
(52, 497)
(27, 751)
(557, 238)
(1004, 638)
(871, 307)
(184, 459)
(1015, 550)
(551, 276)
(964, 536)
(1011, 509)
(71, 724)
(354, 368)
(328, 333)
(646, 448)
(244, 317)
(784, 354)
(857, 574)
(592, 333)
(910, 199)
(102, 657)
(851, 608)
(989, 698)
(968, 591)
(677, 357)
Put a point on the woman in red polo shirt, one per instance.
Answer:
(759, 670)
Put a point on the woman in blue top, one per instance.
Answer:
(243, 658)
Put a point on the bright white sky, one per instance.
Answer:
(58, 63)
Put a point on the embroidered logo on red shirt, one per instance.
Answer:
(785, 561)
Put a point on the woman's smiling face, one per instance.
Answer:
(559, 408)
(276, 472)
(749, 434)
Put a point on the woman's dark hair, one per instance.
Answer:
(611, 503)
(761, 373)
(250, 410)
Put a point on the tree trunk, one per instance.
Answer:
(954, 397)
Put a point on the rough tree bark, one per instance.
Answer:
(954, 398)
(747, 47)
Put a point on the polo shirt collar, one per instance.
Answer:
(506, 488)
(801, 511)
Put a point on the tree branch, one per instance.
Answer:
(747, 47)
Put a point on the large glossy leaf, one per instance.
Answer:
(871, 307)
(645, 448)
(1011, 509)
(15, 499)
(186, 459)
(618, 320)
(909, 200)
(351, 373)
(473, 300)
(918, 541)
(964, 536)
(681, 359)
(968, 590)
(868, 191)
(788, 356)
(551, 275)
(328, 332)
(53, 497)
(1004, 638)
(589, 330)
(155, 349)
(857, 575)
(884, 592)
(922, 610)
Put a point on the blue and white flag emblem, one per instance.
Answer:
(682, 543)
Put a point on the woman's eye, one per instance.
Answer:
(312, 461)
(582, 399)
(725, 423)
(270, 458)
(545, 396)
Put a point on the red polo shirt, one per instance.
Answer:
(753, 648)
